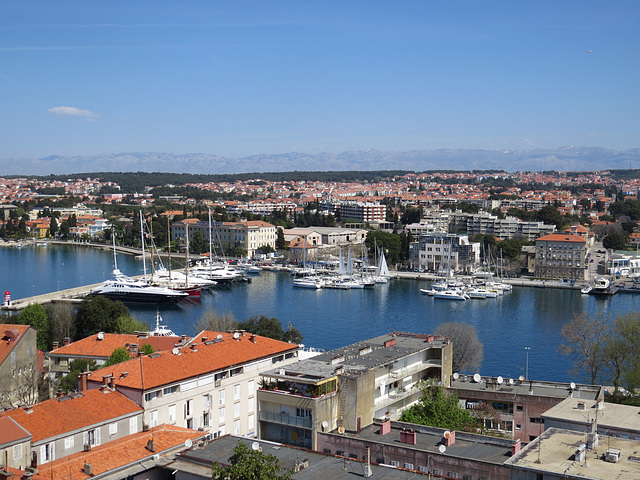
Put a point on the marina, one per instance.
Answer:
(330, 318)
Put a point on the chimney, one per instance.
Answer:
(67, 341)
(151, 446)
(55, 345)
(59, 393)
(106, 380)
(252, 338)
(5, 475)
(389, 343)
(515, 448)
(204, 339)
(183, 339)
(112, 382)
(26, 476)
(133, 348)
(193, 347)
(88, 469)
(408, 436)
(449, 438)
(385, 427)
(83, 381)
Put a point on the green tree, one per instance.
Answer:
(390, 242)
(440, 409)
(266, 248)
(215, 322)
(550, 216)
(53, 227)
(146, 349)
(197, 244)
(127, 324)
(511, 248)
(98, 313)
(69, 383)
(280, 240)
(614, 241)
(292, 335)
(119, 355)
(35, 315)
(248, 464)
(269, 327)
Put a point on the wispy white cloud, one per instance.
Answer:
(88, 115)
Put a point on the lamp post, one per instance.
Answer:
(526, 372)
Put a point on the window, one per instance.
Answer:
(133, 426)
(169, 390)
(206, 403)
(252, 387)
(151, 396)
(17, 450)
(221, 398)
(92, 437)
(251, 406)
(236, 410)
(303, 412)
(235, 371)
(467, 477)
(221, 415)
(172, 414)
(48, 452)
(188, 408)
(113, 428)
(236, 427)
(206, 419)
(68, 443)
(236, 393)
(408, 466)
(519, 408)
(421, 468)
(452, 474)
(153, 418)
(277, 359)
(518, 426)
(437, 471)
(535, 420)
(393, 463)
(251, 422)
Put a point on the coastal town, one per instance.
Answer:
(173, 405)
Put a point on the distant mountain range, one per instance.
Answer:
(560, 159)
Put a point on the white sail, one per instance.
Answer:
(342, 270)
(349, 263)
(383, 268)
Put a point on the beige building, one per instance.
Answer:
(208, 383)
(249, 235)
(349, 387)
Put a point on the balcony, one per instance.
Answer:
(284, 419)
(415, 368)
(393, 396)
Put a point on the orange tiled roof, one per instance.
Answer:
(562, 237)
(11, 432)
(151, 371)
(92, 346)
(65, 414)
(117, 453)
(8, 340)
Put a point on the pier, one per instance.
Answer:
(70, 295)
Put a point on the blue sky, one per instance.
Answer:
(237, 78)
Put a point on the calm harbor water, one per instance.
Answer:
(526, 317)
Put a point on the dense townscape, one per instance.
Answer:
(88, 391)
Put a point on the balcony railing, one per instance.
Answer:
(284, 419)
(416, 367)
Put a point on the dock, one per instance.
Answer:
(70, 295)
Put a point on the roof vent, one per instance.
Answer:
(88, 469)
(11, 335)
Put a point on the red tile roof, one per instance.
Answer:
(11, 432)
(116, 454)
(93, 346)
(562, 237)
(65, 414)
(150, 371)
(10, 335)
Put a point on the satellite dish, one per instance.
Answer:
(175, 351)
(455, 376)
(325, 424)
(282, 372)
(442, 449)
(100, 335)
(340, 430)
(572, 386)
(499, 380)
(447, 434)
(521, 378)
(236, 335)
(476, 377)
(511, 381)
(188, 443)
(255, 446)
(219, 337)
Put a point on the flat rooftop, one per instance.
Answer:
(428, 440)
(608, 415)
(363, 356)
(319, 466)
(510, 386)
(553, 452)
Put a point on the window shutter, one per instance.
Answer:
(97, 436)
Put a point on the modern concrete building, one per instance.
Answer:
(521, 404)
(208, 383)
(444, 252)
(428, 450)
(560, 454)
(18, 365)
(349, 387)
(561, 256)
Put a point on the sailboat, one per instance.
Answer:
(382, 274)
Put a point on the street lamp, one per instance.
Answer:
(526, 372)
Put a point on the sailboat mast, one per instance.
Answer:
(144, 258)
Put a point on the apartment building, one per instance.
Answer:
(348, 387)
(73, 423)
(440, 251)
(210, 382)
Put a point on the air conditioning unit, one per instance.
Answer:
(613, 455)
(155, 457)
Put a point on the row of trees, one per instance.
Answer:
(605, 348)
